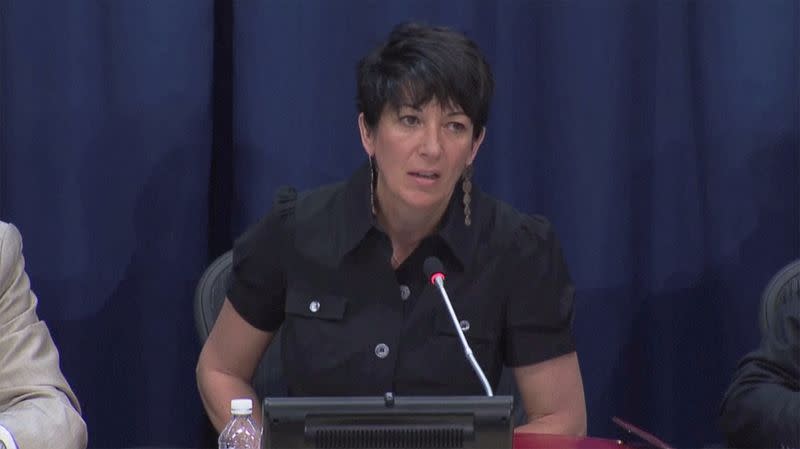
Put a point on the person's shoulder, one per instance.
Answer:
(10, 240)
(288, 201)
(10, 253)
(317, 203)
(517, 229)
(290, 209)
(7, 231)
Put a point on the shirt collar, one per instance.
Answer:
(358, 218)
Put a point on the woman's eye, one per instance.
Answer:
(409, 120)
(457, 127)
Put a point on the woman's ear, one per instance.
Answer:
(366, 135)
(476, 144)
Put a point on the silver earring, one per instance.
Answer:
(372, 183)
(466, 186)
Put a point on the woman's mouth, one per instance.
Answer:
(424, 179)
(425, 175)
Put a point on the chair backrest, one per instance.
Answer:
(268, 379)
(210, 293)
(784, 286)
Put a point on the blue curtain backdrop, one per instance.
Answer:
(662, 138)
(104, 166)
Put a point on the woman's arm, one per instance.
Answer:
(227, 362)
(552, 393)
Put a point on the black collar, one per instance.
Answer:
(358, 218)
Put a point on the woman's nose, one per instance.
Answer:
(431, 143)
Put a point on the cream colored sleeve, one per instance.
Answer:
(37, 406)
(6, 439)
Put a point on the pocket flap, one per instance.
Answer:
(321, 307)
(474, 328)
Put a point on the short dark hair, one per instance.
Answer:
(419, 63)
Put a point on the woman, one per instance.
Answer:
(340, 268)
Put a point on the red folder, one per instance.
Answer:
(542, 441)
(643, 434)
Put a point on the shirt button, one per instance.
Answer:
(382, 351)
(464, 325)
(405, 292)
(313, 306)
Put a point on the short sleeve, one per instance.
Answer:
(258, 279)
(539, 311)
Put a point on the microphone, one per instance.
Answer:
(434, 271)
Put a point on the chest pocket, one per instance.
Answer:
(483, 336)
(476, 327)
(330, 308)
(316, 334)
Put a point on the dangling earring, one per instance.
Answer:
(372, 184)
(466, 186)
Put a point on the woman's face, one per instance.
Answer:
(420, 153)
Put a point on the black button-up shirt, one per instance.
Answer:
(319, 265)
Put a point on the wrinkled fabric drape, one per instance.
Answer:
(106, 142)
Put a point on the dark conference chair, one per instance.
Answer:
(784, 285)
(268, 379)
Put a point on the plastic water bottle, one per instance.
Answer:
(241, 432)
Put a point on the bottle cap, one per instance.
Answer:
(241, 406)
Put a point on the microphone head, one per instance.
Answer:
(433, 268)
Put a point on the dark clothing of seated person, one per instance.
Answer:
(761, 408)
(340, 269)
